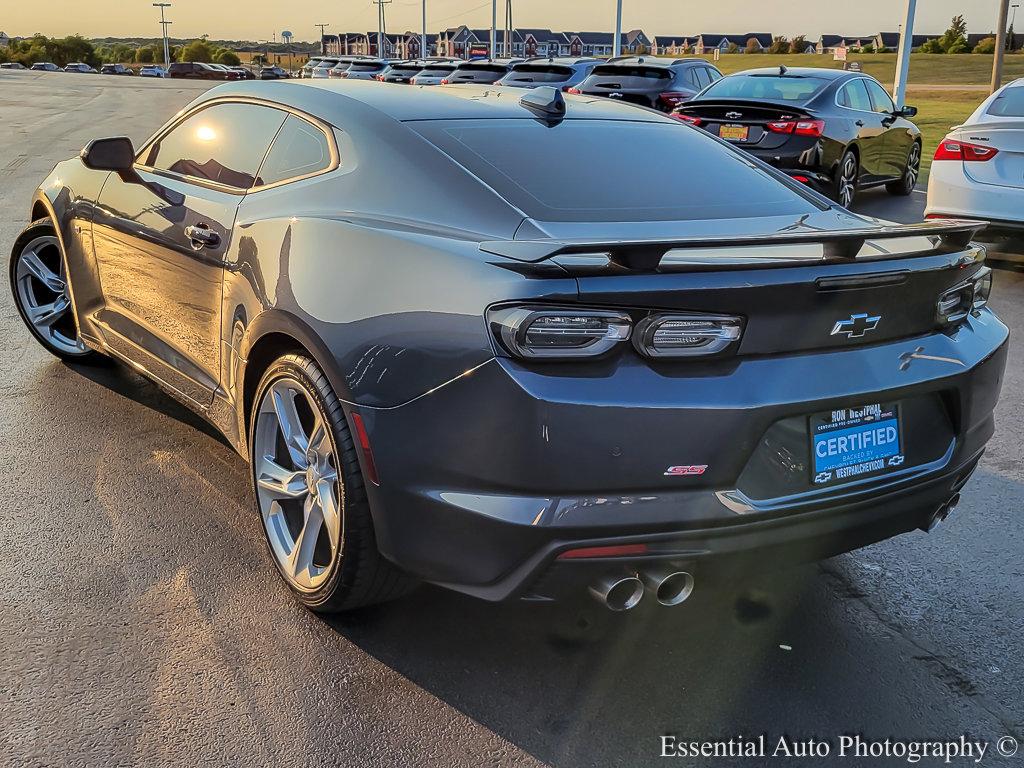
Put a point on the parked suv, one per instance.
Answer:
(198, 71)
(650, 82)
(555, 72)
(116, 69)
(366, 69)
(434, 73)
(482, 72)
(401, 72)
(45, 66)
(80, 68)
(274, 73)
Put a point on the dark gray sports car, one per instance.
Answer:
(463, 336)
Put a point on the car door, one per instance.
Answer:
(897, 137)
(866, 126)
(162, 239)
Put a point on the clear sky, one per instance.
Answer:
(260, 19)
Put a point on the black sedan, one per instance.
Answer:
(837, 131)
(505, 384)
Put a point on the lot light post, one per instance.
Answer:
(899, 88)
(997, 60)
(163, 27)
(423, 35)
(617, 42)
(494, 28)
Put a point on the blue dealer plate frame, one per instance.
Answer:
(848, 444)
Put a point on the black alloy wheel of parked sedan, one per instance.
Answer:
(834, 130)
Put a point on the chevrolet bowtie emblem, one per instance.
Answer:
(856, 326)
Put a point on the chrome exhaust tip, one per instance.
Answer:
(669, 587)
(942, 513)
(618, 593)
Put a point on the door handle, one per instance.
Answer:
(202, 236)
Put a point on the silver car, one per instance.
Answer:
(366, 69)
(434, 73)
(481, 72)
(323, 68)
(561, 72)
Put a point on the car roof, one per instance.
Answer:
(651, 61)
(566, 60)
(339, 101)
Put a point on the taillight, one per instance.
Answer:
(671, 98)
(575, 91)
(687, 118)
(799, 127)
(344, 74)
(964, 299)
(611, 550)
(686, 335)
(538, 332)
(951, 149)
(445, 81)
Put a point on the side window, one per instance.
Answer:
(224, 143)
(854, 96)
(299, 150)
(703, 77)
(880, 100)
(691, 78)
(714, 74)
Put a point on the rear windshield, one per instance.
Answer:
(1010, 103)
(439, 69)
(540, 73)
(483, 68)
(372, 67)
(619, 70)
(410, 70)
(576, 170)
(788, 88)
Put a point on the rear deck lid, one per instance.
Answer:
(1005, 168)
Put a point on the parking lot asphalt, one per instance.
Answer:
(142, 621)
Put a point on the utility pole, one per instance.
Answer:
(899, 88)
(381, 25)
(323, 45)
(509, 28)
(997, 61)
(617, 43)
(423, 34)
(163, 27)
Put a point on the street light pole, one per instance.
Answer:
(899, 88)
(163, 28)
(423, 35)
(997, 60)
(494, 28)
(617, 43)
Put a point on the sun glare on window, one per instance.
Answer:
(206, 133)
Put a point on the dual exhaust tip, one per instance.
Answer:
(622, 592)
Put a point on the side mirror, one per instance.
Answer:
(907, 112)
(116, 154)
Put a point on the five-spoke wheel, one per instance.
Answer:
(40, 284)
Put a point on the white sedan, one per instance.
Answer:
(978, 169)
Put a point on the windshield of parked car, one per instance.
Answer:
(540, 73)
(576, 171)
(373, 66)
(481, 68)
(438, 70)
(790, 88)
(1010, 103)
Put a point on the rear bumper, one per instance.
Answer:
(951, 193)
(485, 481)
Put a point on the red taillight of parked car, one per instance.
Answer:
(575, 91)
(799, 127)
(446, 81)
(612, 550)
(950, 149)
(690, 119)
(672, 98)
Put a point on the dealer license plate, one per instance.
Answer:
(733, 132)
(850, 443)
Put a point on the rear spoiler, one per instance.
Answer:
(994, 125)
(841, 244)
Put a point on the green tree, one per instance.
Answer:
(145, 55)
(228, 58)
(753, 46)
(779, 45)
(987, 45)
(869, 48)
(733, 48)
(197, 50)
(955, 36)
(799, 44)
(259, 60)
(932, 46)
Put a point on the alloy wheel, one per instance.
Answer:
(41, 288)
(913, 167)
(297, 488)
(847, 181)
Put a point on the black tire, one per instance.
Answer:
(360, 575)
(911, 172)
(844, 183)
(43, 228)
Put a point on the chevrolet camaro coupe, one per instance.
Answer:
(462, 337)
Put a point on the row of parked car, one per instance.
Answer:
(183, 69)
